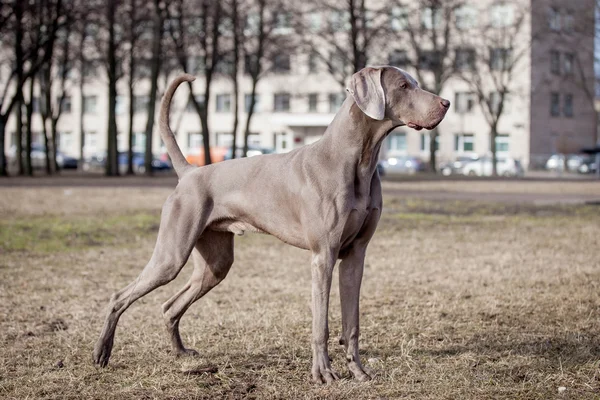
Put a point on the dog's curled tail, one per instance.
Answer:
(180, 164)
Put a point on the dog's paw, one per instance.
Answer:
(322, 372)
(101, 355)
(187, 353)
(359, 372)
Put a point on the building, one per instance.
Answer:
(547, 104)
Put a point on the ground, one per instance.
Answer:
(472, 290)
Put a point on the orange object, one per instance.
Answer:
(217, 154)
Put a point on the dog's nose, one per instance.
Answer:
(445, 103)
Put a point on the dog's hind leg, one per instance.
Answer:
(176, 239)
(213, 257)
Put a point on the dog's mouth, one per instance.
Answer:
(414, 126)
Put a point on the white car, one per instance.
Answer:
(483, 167)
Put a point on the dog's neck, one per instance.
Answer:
(356, 138)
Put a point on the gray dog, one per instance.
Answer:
(324, 197)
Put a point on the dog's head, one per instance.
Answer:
(390, 93)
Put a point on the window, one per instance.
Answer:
(194, 140)
(464, 102)
(89, 69)
(466, 17)
(429, 60)
(190, 105)
(335, 101)
(569, 22)
(426, 140)
(223, 102)
(554, 19)
(35, 105)
(195, 65)
(501, 15)
(225, 65)
(337, 61)
(281, 102)
(224, 139)
(464, 59)
(90, 104)
(399, 18)
(315, 21)
(397, 142)
(398, 58)
(340, 20)
(500, 58)
(555, 62)
(139, 142)
(250, 63)
(431, 17)
(502, 143)
(247, 102)
(140, 103)
(464, 143)
(252, 25)
(65, 141)
(66, 105)
(283, 24)
(120, 105)
(313, 99)
(496, 100)
(568, 106)
(90, 140)
(312, 62)
(281, 63)
(568, 64)
(554, 104)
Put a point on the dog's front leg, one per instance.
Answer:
(351, 272)
(322, 270)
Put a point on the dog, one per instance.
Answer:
(324, 197)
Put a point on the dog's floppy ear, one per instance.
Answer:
(365, 87)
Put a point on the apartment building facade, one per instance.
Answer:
(298, 97)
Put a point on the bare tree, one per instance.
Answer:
(58, 68)
(159, 13)
(237, 32)
(499, 52)
(134, 33)
(430, 27)
(112, 162)
(196, 27)
(342, 35)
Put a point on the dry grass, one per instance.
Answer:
(460, 300)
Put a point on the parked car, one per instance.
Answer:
(38, 158)
(252, 151)
(97, 162)
(483, 167)
(402, 165)
(456, 166)
(556, 162)
(588, 165)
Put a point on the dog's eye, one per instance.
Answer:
(404, 85)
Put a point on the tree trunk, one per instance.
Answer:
(249, 116)
(156, 61)
(433, 150)
(493, 134)
(236, 89)
(132, 65)
(19, 58)
(3, 166)
(28, 134)
(112, 162)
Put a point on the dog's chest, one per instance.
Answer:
(356, 218)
